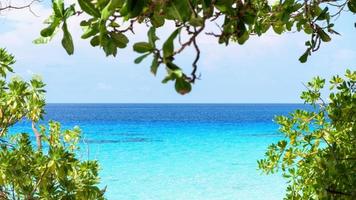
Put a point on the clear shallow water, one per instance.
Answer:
(177, 151)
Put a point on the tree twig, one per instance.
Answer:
(28, 6)
(38, 136)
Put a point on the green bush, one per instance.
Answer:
(50, 171)
(318, 156)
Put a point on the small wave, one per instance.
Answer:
(126, 140)
(261, 135)
(125, 134)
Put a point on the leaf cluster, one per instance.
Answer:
(107, 23)
(52, 171)
(318, 156)
(56, 173)
(18, 99)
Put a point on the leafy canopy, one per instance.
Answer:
(18, 98)
(318, 156)
(56, 173)
(52, 171)
(107, 22)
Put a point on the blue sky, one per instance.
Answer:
(264, 70)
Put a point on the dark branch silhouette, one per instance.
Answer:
(4, 7)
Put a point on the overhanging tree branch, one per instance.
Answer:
(4, 7)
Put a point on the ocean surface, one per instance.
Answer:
(177, 151)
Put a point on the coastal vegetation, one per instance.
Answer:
(50, 169)
(318, 156)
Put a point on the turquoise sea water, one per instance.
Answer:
(177, 151)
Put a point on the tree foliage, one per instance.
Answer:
(52, 171)
(107, 22)
(318, 156)
(18, 98)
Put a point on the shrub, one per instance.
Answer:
(50, 171)
(318, 156)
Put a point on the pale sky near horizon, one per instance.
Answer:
(264, 70)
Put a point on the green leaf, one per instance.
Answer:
(47, 32)
(58, 8)
(352, 5)
(241, 40)
(140, 58)
(168, 46)
(323, 15)
(152, 37)
(224, 6)
(70, 11)
(106, 12)
(179, 9)
(169, 77)
(308, 29)
(42, 40)
(109, 48)
(278, 28)
(157, 20)
(67, 41)
(206, 3)
(174, 70)
(95, 41)
(89, 32)
(154, 65)
(323, 35)
(89, 8)
(142, 47)
(135, 7)
(116, 4)
(196, 21)
(304, 57)
(182, 86)
(109, 9)
(120, 39)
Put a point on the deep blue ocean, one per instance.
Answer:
(177, 151)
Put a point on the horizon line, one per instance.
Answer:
(173, 103)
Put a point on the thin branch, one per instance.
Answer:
(337, 192)
(38, 182)
(38, 136)
(190, 41)
(195, 67)
(28, 6)
(193, 41)
(341, 9)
